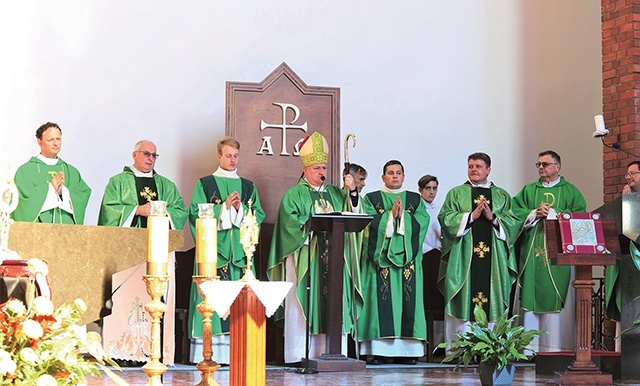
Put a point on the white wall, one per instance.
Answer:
(423, 81)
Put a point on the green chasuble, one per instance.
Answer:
(124, 191)
(392, 278)
(33, 182)
(289, 236)
(495, 256)
(231, 257)
(543, 285)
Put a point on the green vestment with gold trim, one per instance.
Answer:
(291, 230)
(543, 285)
(457, 266)
(33, 181)
(122, 196)
(392, 278)
(232, 260)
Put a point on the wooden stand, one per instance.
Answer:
(583, 371)
(248, 337)
(336, 225)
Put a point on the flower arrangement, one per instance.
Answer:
(46, 347)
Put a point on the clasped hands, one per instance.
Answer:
(57, 182)
(542, 211)
(482, 209)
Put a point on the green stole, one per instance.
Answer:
(212, 191)
(481, 233)
(147, 191)
(385, 300)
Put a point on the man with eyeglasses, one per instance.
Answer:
(126, 203)
(632, 176)
(478, 265)
(544, 286)
(51, 190)
(612, 285)
(126, 200)
(231, 196)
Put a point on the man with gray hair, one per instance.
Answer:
(126, 203)
(126, 200)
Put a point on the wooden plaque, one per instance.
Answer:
(269, 118)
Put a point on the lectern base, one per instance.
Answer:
(334, 363)
(581, 378)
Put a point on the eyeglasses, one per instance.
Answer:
(545, 164)
(631, 174)
(147, 154)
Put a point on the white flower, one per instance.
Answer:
(38, 266)
(7, 365)
(46, 380)
(32, 329)
(15, 308)
(80, 305)
(29, 355)
(70, 359)
(42, 306)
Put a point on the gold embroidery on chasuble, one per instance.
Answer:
(553, 198)
(480, 299)
(52, 173)
(148, 194)
(406, 286)
(541, 254)
(480, 198)
(214, 199)
(481, 249)
(384, 288)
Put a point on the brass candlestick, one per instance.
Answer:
(156, 288)
(207, 366)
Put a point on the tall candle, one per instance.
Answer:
(157, 245)
(207, 246)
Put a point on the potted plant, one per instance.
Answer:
(495, 348)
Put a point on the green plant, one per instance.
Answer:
(493, 346)
(635, 324)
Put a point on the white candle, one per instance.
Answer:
(206, 246)
(157, 245)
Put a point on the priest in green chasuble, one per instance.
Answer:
(546, 296)
(51, 190)
(478, 264)
(293, 242)
(230, 195)
(126, 203)
(612, 272)
(392, 322)
(127, 196)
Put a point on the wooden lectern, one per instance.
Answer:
(582, 371)
(336, 224)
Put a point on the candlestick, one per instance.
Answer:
(157, 245)
(206, 246)
(156, 288)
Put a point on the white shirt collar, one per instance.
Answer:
(139, 173)
(392, 191)
(220, 172)
(485, 185)
(47, 160)
(551, 184)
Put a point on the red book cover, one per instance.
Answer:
(581, 233)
